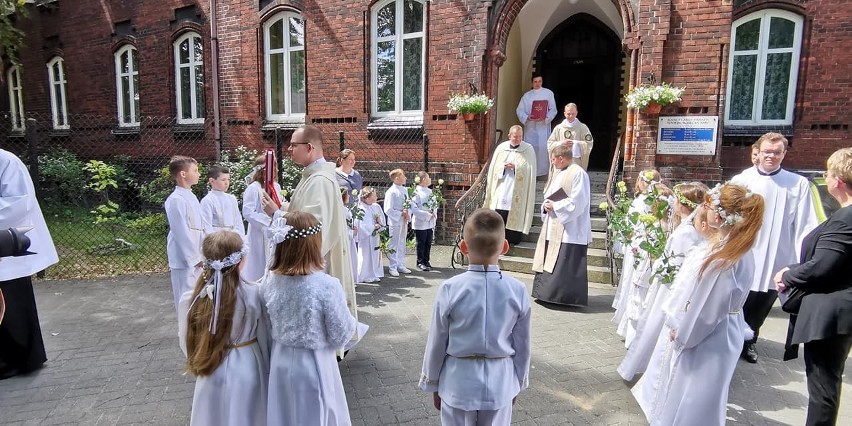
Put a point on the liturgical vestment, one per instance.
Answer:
(513, 190)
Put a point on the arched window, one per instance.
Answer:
(189, 78)
(763, 68)
(127, 86)
(58, 105)
(398, 57)
(284, 66)
(16, 98)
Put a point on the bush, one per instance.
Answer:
(151, 224)
(62, 178)
(157, 190)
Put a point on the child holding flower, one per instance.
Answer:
(424, 208)
(369, 226)
(397, 207)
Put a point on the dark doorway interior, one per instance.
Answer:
(581, 62)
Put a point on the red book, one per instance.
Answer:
(539, 110)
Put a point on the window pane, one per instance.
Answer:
(747, 35)
(297, 82)
(185, 94)
(297, 32)
(183, 52)
(742, 87)
(276, 75)
(385, 72)
(776, 84)
(781, 32)
(199, 92)
(276, 33)
(135, 95)
(123, 63)
(413, 17)
(196, 41)
(134, 61)
(125, 99)
(386, 20)
(57, 72)
(411, 73)
(13, 79)
(60, 110)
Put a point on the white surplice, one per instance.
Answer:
(622, 292)
(687, 379)
(537, 132)
(183, 244)
(236, 392)
(221, 212)
(309, 320)
(787, 218)
(421, 217)
(395, 197)
(369, 257)
(258, 221)
(478, 351)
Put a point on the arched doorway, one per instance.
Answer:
(581, 61)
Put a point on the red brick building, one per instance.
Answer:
(377, 69)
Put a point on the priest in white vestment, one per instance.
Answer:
(788, 218)
(571, 129)
(536, 120)
(510, 187)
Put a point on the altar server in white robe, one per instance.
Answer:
(477, 357)
(510, 183)
(219, 209)
(572, 129)
(224, 336)
(258, 209)
(691, 368)
(536, 118)
(309, 320)
(186, 227)
(370, 268)
(562, 248)
(788, 218)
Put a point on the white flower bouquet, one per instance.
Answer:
(663, 94)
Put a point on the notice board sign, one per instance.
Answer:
(687, 135)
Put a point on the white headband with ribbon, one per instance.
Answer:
(213, 286)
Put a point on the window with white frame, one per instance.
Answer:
(127, 86)
(398, 57)
(58, 105)
(763, 68)
(189, 79)
(284, 61)
(16, 98)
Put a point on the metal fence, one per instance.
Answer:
(102, 187)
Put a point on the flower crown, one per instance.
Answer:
(213, 287)
(682, 199)
(279, 231)
(230, 260)
(728, 217)
(647, 176)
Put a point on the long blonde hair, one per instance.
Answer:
(206, 350)
(736, 200)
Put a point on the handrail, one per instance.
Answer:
(613, 169)
(474, 186)
(610, 184)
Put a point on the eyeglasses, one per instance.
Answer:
(772, 153)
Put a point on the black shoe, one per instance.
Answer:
(749, 353)
(423, 267)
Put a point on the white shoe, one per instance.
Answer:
(393, 273)
(404, 270)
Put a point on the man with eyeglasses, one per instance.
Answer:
(787, 219)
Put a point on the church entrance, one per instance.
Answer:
(581, 62)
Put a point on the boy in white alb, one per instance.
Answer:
(396, 206)
(186, 227)
(477, 356)
(219, 209)
(424, 214)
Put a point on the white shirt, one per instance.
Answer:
(221, 212)
(395, 198)
(421, 217)
(186, 229)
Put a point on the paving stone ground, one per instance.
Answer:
(114, 360)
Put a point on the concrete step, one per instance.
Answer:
(599, 274)
(596, 257)
(598, 238)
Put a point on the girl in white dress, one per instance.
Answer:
(257, 211)
(369, 257)
(688, 196)
(309, 322)
(225, 339)
(698, 347)
(353, 231)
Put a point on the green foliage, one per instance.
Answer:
(62, 178)
(151, 224)
(239, 162)
(102, 175)
(11, 38)
(157, 190)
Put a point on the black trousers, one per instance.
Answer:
(824, 362)
(756, 309)
(513, 237)
(424, 245)
(21, 345)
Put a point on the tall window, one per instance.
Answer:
(763, 68)
(58, 106)
(127, 86)
(16, 97)
(398, 57)
(189, 79)
(284, 58)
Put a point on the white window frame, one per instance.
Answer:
(16, 98)
(285, 52)
(58, 107)
(193, 89)
(762, 51)
(398, 38)
(120, 75)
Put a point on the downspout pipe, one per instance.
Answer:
(214, 55)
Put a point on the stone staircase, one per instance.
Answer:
(519, 258)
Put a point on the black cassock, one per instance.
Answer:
(569, 282)
(21, 345)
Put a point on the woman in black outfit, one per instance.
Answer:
(824, 321)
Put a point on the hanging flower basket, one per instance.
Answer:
(468, 105)
(468, 116)
(651, 98)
